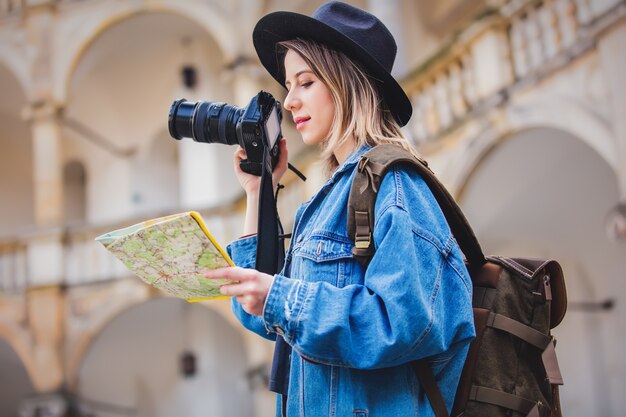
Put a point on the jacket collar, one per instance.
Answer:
(350, 162)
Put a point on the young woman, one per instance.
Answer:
(353, 329)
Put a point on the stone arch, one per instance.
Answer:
(157, 332)
(544, 193)
(121, 91)
(209, 20)
(16, 62)
(557, 113)
(83, 341)
(18, 343)
(14, 379)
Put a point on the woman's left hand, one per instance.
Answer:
(250, 289)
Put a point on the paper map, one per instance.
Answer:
(171, 253)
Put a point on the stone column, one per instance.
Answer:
(46, 323)
(45, 298)
(48, 173)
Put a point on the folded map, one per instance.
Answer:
(171, 253)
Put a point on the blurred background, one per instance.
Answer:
(519, 106)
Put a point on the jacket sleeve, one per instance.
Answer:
(243, 254)
(415, 300)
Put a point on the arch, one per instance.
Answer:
(76, 44)
(169, 327)
(20, 345)
(557, 113)
(83, 341)
(14, 379)
(17, 64)
(543, 193)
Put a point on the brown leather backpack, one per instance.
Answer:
(511, 368)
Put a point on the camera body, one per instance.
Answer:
(256, 127)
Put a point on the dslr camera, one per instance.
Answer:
(255, 127)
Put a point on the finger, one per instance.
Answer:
(239, 154)
(283, 153)
(233, 273)
(237, 290)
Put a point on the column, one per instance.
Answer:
(46, 322)
(47, 160)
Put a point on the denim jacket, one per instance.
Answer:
(354, 330)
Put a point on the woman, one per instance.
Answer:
(354, 330)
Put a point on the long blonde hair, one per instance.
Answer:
(360, 110)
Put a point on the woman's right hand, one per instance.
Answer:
(251, 183)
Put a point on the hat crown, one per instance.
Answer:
(363, 28)
(340, 26)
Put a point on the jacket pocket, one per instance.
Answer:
(323, 257)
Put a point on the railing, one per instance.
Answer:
(13, 268)
(506, 47)
(72, 257)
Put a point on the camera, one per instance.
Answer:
(255, 127)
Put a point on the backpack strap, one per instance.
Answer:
(370, 172)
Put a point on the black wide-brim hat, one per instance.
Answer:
(340, 26)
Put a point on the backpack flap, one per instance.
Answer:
(550, 289)
(554, 283)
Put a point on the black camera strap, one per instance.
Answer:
(269, 255)
(269, 259)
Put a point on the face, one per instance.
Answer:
(308, 100)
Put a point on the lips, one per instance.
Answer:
(299, 121)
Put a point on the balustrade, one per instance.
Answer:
(83, 260)
(523, 39)
(13, 277)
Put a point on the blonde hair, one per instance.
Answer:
(360, 110)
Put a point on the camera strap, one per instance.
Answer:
(269, 259)
(269, 256)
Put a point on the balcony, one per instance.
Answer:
(504, 50)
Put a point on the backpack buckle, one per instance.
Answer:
(362, 163)
(361, 242)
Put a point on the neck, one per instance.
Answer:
(342, 152)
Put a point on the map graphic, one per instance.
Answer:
(171, 253)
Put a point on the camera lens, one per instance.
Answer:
(179, 120)
(204, 121)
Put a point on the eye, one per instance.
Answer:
(307, 84)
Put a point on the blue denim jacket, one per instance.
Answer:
(354, 330)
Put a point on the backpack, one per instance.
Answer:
(511, 368)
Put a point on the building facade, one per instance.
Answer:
(519, 106)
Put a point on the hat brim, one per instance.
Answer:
(282, 26)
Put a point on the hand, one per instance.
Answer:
(251, 183)
(250, 289)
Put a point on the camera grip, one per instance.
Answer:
(253, 168)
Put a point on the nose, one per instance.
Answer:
(291, 101)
